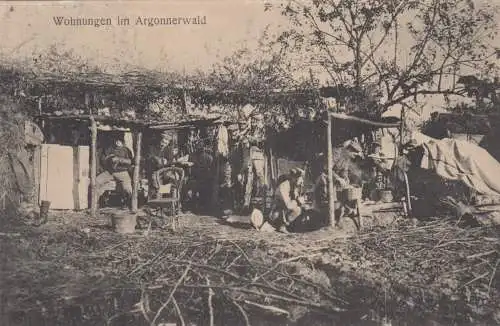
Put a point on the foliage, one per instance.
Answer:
(485, 93)
(253, 72)
(244, 71)
(58, 60)
(266, 79)
(402, 48)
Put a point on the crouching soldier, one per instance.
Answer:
(287, 206)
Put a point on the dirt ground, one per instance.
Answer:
(68, 272)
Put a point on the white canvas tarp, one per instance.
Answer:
(461, 160)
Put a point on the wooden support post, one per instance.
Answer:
(37, 159)
(272, 170)
(87, 103)
(93, 167)
(40, 106)
(332, 195)
(216, 183)
(402, 126)
(185, 100)
(137, 163)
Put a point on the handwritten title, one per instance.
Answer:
(64, 21)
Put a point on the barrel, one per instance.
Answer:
(123, 222)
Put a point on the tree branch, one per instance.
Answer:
(326, 48)
(394, 16)
(420, 92)
(417, 57)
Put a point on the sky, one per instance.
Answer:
(28, 27)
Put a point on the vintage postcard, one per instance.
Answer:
(249, 162)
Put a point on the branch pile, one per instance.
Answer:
(185, 279)
(92, 276)
(440, 259)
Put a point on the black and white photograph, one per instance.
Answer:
(250, 162)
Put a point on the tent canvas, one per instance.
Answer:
(464, 161)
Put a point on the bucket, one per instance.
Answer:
(386, 196)
(353, 193)
(124, 223)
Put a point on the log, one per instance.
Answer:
(408, 195)
(268, 308)
(93, 167)
(137, 163)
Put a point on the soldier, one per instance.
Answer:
(117, 164)
(343, 165)
(287, 204)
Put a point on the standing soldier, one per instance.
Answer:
(343, 166)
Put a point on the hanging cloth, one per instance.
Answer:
(128, 141)
(223, 141)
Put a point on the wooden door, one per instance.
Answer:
(64, 176)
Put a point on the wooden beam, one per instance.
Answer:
(93, 167)
(342, 116)
(135, 178)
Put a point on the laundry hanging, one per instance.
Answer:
(128, 141)
(223, 141)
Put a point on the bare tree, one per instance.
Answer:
(401, 49)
